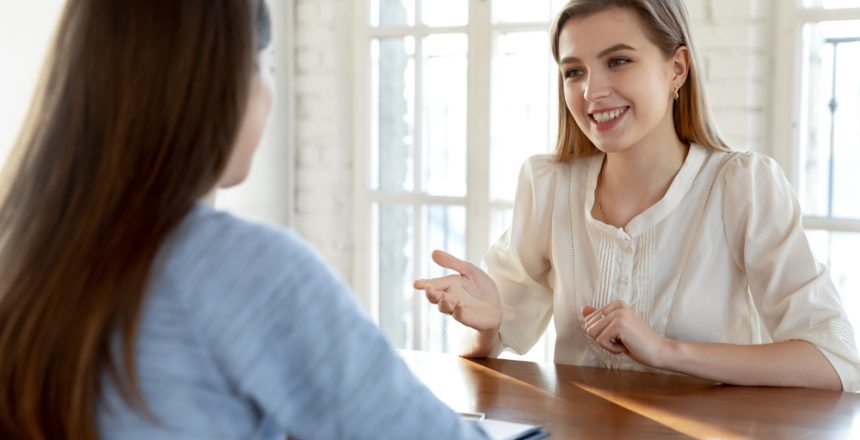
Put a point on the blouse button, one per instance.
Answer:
(625, 279)
(628, 250)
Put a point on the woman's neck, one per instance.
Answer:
(633, 180)
(644, 166)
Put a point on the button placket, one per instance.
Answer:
(625, 274)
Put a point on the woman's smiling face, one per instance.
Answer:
(618, 85)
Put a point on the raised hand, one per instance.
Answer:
(470, 297)
(618, 330)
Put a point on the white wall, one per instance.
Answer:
(733, 39)
(324, 149)
(26, 29)
(268, 193)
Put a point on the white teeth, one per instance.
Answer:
(607, 116)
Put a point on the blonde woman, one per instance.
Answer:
(651, 243)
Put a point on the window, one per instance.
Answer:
(455, 96)
(817, 109)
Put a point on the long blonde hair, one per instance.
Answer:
(666, 24)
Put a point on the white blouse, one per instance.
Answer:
(722, 257)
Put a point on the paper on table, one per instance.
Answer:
(502, 430)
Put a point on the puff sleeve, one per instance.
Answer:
(519, 262)
(793, 293)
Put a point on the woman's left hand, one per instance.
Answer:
(618, 330)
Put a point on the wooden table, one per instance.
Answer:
(582, 402)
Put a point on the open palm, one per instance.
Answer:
(470, 297)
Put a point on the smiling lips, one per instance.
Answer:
(606, 119)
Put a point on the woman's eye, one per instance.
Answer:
(572, 73)
(618, 61)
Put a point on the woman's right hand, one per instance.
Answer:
(470, 297)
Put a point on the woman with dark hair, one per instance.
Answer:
(128, 309)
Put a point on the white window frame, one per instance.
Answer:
(791, 17)
(478, 203)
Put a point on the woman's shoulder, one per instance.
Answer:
(546, 166)
(206, 229)
(749, 178)
(541, 163)
(743, 167)
(224, 249)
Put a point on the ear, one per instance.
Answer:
(680, 66)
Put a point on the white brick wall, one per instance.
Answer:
(323, 146)
(732, 38)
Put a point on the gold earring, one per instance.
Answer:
(676, 93)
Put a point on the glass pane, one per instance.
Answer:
(445, 230)
(394, 228)
(445, 12)
(444, 114)
(832, 4)
(519, 11)
(392, 12)
(522, 113)
(829, 130)
(841, 251)
(393, 124)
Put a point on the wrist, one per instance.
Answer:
(487, 343)
(491, 339)
(491, 334)
(670, 354)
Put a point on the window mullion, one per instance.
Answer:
(362, 281)
(478, 102)
(820, 14)
(785, 106)
(418, 246)
(831, 224)
(418, 31)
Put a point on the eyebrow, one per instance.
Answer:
(603, 53)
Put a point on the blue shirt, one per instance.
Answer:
(246, 334)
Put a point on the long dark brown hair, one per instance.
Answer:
(134, 120)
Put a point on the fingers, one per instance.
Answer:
(610, 337)
(596, 323)
(595, 316)
(587, 310)
(433, 295)
(614, 346)
(605, 325)
(447, 305)
(590, 312)
(449, 261)
(441, 283)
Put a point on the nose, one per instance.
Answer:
(595, 87)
